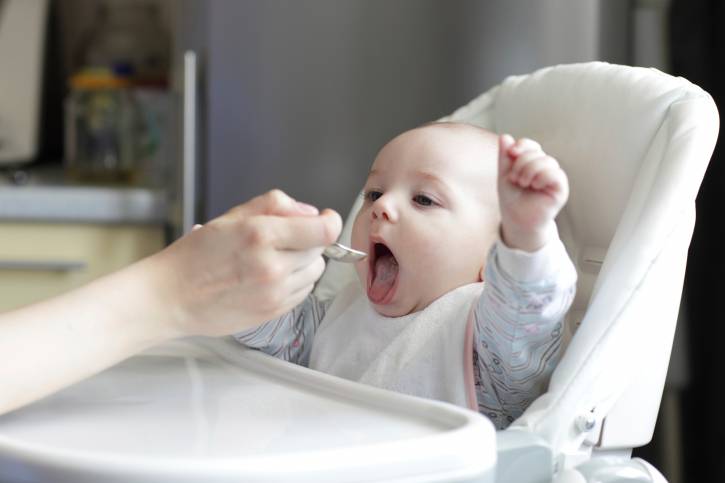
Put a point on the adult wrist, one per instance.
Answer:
(155, 312)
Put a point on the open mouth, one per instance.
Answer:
(382, 274)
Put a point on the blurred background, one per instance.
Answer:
(113, 139)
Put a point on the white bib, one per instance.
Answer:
(426, 354)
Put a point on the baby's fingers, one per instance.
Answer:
(505, 143)
(551, 180)
(524, 145)
(528, 165)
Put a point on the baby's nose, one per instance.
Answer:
(383, 209)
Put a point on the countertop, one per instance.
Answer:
(44, 194)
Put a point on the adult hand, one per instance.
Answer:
(250, 265)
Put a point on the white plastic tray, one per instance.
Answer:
(209, 410)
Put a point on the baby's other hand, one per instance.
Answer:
(532, 188)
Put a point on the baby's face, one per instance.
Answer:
(429, 217)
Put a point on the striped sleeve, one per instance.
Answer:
(288, 337)
(518, 327)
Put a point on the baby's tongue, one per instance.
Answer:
(386, 270)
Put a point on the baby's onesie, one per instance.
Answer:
(516, 318)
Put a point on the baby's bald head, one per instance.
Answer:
(470, 149)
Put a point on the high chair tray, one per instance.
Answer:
(209, 410)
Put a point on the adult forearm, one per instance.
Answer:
(251, 264)
(60, 341)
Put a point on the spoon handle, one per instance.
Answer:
(341, 253)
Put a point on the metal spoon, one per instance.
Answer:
(341, 253)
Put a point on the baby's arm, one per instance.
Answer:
(288, 337)
(530, 284)
(518, 326)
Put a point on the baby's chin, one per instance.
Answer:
(390, 311)
(400, 306)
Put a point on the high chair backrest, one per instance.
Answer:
(634, 143)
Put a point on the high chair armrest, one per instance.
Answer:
(633, 470)
(523, 457)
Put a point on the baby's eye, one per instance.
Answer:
(372, 195)
(423, 200)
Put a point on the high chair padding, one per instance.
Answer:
(635, 144)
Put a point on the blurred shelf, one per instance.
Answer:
(43, 194)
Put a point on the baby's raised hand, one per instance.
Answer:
(532, 188)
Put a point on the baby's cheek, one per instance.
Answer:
(429, 244)
(449, 259)
(359, 236)
(359, 241)
(429, 258)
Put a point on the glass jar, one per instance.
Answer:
(104, 128)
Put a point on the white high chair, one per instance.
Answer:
(635, 144)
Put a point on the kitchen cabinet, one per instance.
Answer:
(56, 235)
(41, 259)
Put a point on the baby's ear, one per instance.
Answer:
(482, 273)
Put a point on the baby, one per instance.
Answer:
(421, 321)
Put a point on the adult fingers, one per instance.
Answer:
(292, 289)
(293, 233)
(304, 276)
(296, 260)
(295, 298)
(274, 202)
